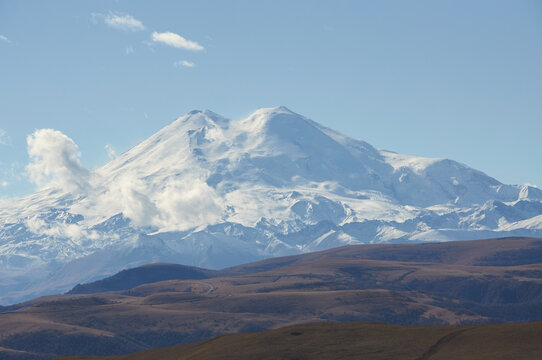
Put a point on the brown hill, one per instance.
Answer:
(368, 341)
(145, 274)
(480, 281)
(490, 252)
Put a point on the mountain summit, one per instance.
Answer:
(213, 192)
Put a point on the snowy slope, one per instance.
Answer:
(214, 192)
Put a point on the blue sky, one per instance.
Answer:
(455, 79)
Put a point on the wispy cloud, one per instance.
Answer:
(129, 50)
(119, 21)
(111, 153)
(176, 41)
(4, 138)
(4, 38)
(183, 63)
(123, 22)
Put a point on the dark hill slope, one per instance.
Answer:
(146, 274)
(368, 341)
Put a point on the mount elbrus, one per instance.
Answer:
(213, 192)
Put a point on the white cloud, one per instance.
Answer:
(118, 21)
(178, 205)
(183, 204)
(129, 50)
(176, 41)
(4, 184)
(183, 63)
(123, 22)
(111, 153)
(4, 38)
(150, 45)
(74, 232)
(128, 195)
(55, 161)
(4, 139)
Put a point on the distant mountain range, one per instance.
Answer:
(212, 192)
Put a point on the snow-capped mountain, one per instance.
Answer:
(214, 192)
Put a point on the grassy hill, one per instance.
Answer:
(368, 341)
(483, 281)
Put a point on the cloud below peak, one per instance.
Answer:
(55, 161)
(176, 41)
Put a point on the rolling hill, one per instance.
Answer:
(472, 282)
(368, 341)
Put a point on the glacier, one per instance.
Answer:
(213, 192)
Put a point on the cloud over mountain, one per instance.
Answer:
(55, 161)
(214, 192)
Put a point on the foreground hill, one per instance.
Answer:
(368, 341)
(483, 281)
(211, 192)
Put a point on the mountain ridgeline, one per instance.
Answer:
(211, 192)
